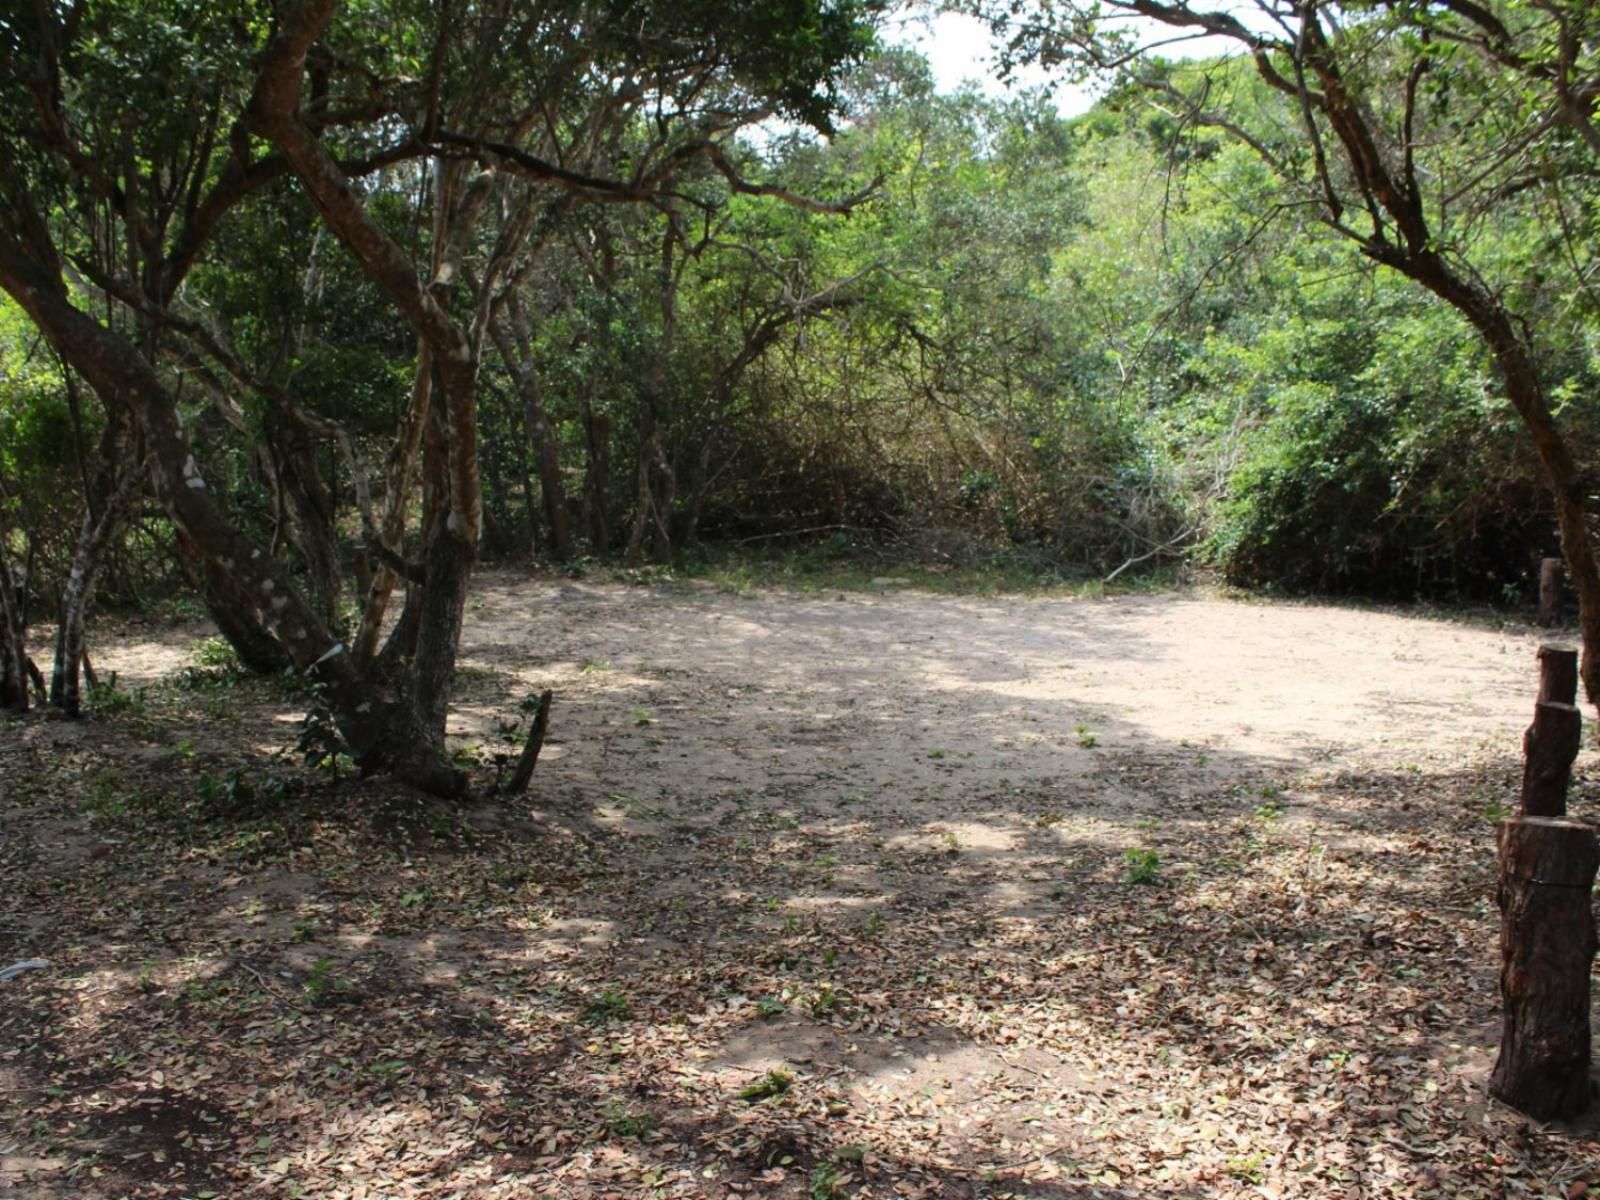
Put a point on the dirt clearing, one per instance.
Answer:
(857, 894)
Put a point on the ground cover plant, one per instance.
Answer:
(856, 912)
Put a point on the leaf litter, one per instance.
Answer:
(765, 944)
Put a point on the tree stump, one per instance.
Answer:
(1550, 592)
(1550, 746)
(1547, 945)
(1558, 674)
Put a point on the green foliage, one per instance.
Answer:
(774, 1083)
(1141, 866)
(605, 1008)
(320, 743)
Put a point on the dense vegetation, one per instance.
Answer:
(634, 301)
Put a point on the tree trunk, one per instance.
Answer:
(597, 478)
(514, 340)
(1550, 592)
(104, 506)
(231, 612)
(13, 647)
(381, 731)
(391, 533)
(311, 515)
(1525, 391)
(649, 435)
(1547, 945)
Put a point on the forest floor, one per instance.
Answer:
(875, 893)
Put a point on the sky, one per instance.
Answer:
(958, 48)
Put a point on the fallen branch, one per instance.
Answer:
(1163, 548)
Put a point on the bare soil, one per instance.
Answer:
(861, 894)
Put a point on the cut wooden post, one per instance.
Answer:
(531, 748)
(1550, 592)
(1558, 673)
(1550, 747)
(1547, 945)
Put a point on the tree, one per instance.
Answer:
(338, 93)
(1405, 130)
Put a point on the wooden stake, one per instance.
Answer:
(1558, 674)
(531, 748)
(1550, 747)
(1547, 946)
(1550, 592)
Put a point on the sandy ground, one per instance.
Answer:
(869, 685)
(900, 822)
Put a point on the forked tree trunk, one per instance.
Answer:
(383, 732)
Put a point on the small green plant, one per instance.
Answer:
(1247, 1168)
(1268, 814)
(641, 716)
(1086, 737)
(227, 793)
(938, 752)
(107, 794)
(320, 982)
(826, 1182)
(767, 1007)
(874, 925)
(608, 1006)
(146, 980)
(1494, 812)
(774, 1083)
(1142, 866)
(825, 1002)
(104, 699)
(623, 1123)
(321, 745)
(217, 654)
(952, 844)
